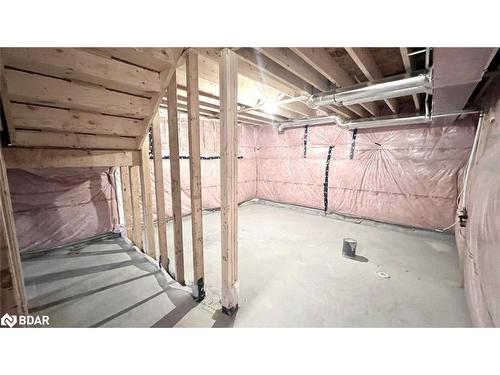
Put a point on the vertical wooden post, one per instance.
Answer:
(147, 203)
(160, 193)
(135, 187)
(12, 292)
(175, 178)
(228, 76)
(195, 169)
(127, 202)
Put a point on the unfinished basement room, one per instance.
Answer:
(250, 187)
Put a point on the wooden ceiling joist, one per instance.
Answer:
(260, 68)
(209, 80)
(277, 72)
(261, 116)
(409, 68)
(244, 118)
(293, 63)
(321, 60)
(365, 61)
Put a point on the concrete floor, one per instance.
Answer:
(103, 284)
(292, 274)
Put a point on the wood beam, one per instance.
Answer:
(5, 100)
(195, 170)
(135, 189)
(209, 68)
(270, 68)
(12, 293)
(16, 157)
(293, 63)
(175, 178)
(37, 89)
(257, 115)
(29, 116)
(157, 59)
(300, 108)
(160, 193)
(76, 64)
(127, 201)
(409, 68)
(33, 138)
(229, 179)
(365, 61)
(147, 203)
(321, 60)
(165, 77)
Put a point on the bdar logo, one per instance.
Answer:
(8, 320)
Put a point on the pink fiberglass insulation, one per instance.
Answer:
(56, 206)
(405, 175)
(479, 240)
(210, 164)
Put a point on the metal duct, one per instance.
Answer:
(366, 123)
(397, 86)
(374, 122)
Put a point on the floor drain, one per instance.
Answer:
(383, 275)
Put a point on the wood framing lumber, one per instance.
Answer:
(165, 77)
(33, 138)
(195, 170)
(37, 89)
(157, 59)
(29, 116)
(292, 62)
(5, 100)
(276, 71)
(77, 64)
(127, 202)
(147, 202)
(320, 59)
(229, 179)
(13, 294)
(17, 157)
(365, 61)
(160, 193)
(175, 178)
(135, 189)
